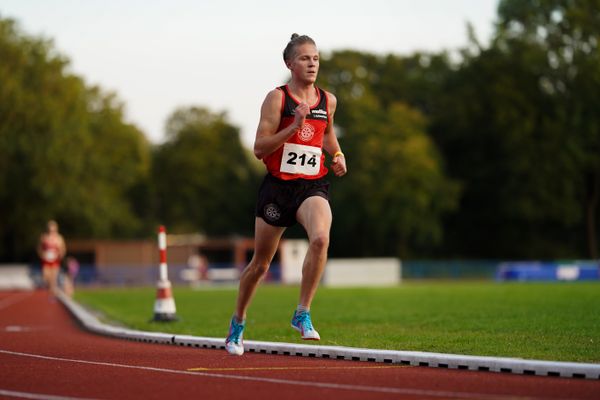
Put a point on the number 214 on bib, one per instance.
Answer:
(300, 159)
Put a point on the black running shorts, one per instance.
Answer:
(279, 200)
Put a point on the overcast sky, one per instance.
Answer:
(226, 54)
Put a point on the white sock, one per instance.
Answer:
(302, 308)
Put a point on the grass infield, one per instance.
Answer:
(544, 321)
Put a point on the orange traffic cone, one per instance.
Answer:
(164, 306)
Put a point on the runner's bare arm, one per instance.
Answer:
(39, 248)
(63, 247)
(267, 138)
(330, 142)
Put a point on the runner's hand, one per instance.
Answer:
(338, 165)
(300, 114)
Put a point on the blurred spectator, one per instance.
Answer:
(71, 271)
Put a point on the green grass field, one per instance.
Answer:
(546, 321)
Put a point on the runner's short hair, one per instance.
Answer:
(295, 40)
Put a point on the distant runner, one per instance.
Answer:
(51, 250)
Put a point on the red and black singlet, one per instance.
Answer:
(301, 156)
(50, 253)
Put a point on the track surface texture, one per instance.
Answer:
(44, 354)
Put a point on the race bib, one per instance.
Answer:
(300, 159)
(50, 255)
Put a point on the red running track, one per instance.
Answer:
(44, 354)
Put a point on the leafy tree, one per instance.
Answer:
(568, 34)
(393, 199)
(515, 124)
(117, 161)
(496, 130)
(205, 179)
(65, 152)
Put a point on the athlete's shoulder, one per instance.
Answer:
(331, 100)
(330, 96)
(274, 95)
(274, 99)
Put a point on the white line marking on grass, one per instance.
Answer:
(25, 395)
(10, 300)
(311, 384)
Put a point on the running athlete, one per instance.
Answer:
(296, 125)
(51, 250)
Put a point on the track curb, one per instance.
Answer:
(413, 358)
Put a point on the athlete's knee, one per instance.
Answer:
(320, 241)
(258, 267)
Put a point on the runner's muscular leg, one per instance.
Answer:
(314, 215)
(266, 242)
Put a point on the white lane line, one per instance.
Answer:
(323, 385)
(10, 300)
(22, 329)
(37, 396)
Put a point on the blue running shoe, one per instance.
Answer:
(302, 323)
(234, 344)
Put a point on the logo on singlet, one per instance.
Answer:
(306, 133)
(272, 212)
(318, 113)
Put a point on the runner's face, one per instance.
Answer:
(305, 64)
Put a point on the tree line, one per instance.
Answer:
(489, 153)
